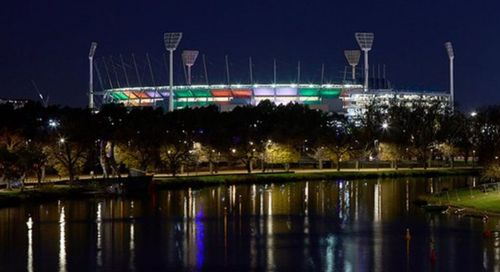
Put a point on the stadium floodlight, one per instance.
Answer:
(189, 58)
(451, 56)
(93, 47)
(352, 57)
(172, 40)
(365, 42)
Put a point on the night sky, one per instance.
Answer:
(48, 41)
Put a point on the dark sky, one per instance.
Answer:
(48, 41)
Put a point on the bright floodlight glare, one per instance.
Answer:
(365, 40)
(473, 114)
(189, 57)
(385, 125)
(93, 46)
(449, 49)
(352, 56)
(172, 40)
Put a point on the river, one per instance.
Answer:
(318, 226)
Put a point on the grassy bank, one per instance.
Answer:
(208, 180)
(86, 189)
(472, 199)
(46, 192)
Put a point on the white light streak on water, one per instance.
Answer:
(29, 224)
(62, 241)
(99, 234)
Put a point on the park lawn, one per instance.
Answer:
(470, 198)
(482, 201)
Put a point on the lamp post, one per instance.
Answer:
(93, 47)
(188, 58)
(352, 57)
(451, 56)
(365, 42)
(172, 40)
(473, 158)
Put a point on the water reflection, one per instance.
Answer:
(331, 226)
(99, 234)
(62, 240)
(29, 225)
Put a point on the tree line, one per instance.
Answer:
(71, 141)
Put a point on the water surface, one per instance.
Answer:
(320, 226)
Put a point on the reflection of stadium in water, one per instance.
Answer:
(340, 225)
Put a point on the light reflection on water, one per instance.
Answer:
(331, 226)
(29, 225)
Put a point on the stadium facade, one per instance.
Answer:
(349, 99)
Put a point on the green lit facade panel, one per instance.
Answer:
(183, 93)
(312, 102)
(308, 92)
(330, 93)
(192, 103)
(119, 96)
(201, 93)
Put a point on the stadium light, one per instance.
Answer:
(172, 40)
(352, 57)
(451, 56)
(365, 42)
(93, 47)
(189, 58)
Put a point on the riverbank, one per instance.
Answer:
(90, 188)
(44, 192)
(472, 201)
(280, 177)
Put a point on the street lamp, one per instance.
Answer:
(93, 47)
(188, 58)
(473, 157)
(473, 114)
(53, 123)
(172, 40)
(352, 57)
(365, 42)
(385, 125)
(451, 56)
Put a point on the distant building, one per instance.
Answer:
(356, 101)
(16, 103)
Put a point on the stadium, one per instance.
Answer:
(347, 95)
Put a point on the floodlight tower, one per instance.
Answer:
(172, 40)
(451, 56)
(188, 58)
(352, 57)
(365, 42)
(93, 47)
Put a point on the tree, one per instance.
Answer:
(283, 154)
(10, 167)
(67, 157)
(391, 152)
(320, 154)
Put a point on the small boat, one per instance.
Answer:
(435, 208)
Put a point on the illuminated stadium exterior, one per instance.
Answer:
(349, 99)
(325, 97)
